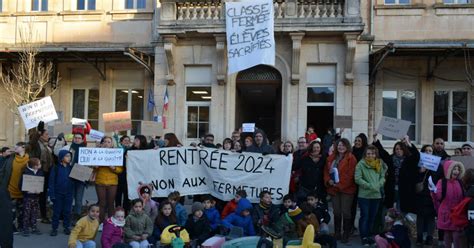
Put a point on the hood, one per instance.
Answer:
(244, 204)
(258, 130)
(448, 166)
(63, 153)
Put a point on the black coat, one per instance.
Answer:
(407, 179)
(6, 234)
(199, 230)
(424, 202)
(312, 175)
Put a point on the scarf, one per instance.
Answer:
(19, 160)
(374, 164)
(117, 222)
(397, 163)
(264, 206)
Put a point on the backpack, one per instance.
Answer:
(458, 214)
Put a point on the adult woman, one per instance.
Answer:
(360, 144)
(248, 142)
(312, 170)
(403, 163)
(106, 181)
(227, 144)
(171, 140)
(425, 211)
(288, 148)
(370, 177)
(237, 146)
(341, 165)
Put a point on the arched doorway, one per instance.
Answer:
(258, 99)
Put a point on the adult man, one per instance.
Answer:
(260, 145)
(466, 149)
(301, 149)
(438, 149)
(235, 136)
(209, 141)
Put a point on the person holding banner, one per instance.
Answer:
(260, 145)
(339, 180)
(106, 181)
(171, 140)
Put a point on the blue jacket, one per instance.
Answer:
(59, 181)
(213, 216)
(236, 219)
(181, 214)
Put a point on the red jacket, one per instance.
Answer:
(346, 171)
(310, 137)
(229, 208)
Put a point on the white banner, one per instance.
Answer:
(220, 173)
(34, 112)
(249, 31)
(101, 156)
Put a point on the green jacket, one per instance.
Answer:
(286, 228)
(369, 181)
(137, 224)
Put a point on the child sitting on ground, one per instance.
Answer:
(232, 204)
(138, 226)
(113, 229)
(241, 218)
(198, 225)
(31, 199)
(320, 209)
(166, 217)
(289, 202)
(181, 214)
(83, 234)
(150, 206)
(310, 218)
(397, 233)
(211, 213)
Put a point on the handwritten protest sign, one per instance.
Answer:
(101, 156)
(34, 112)
(221, 173)
(97, 135)
(467, 161)
(342, 121)
(32, 184)
(248, 127)
(117, 121)
(249, 31)
(81, 173)
(151, 128)
(393, 128)
(429, 161)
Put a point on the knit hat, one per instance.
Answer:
(466, 145)
(295, 213)
(196, 207)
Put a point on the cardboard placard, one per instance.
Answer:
(393, 128)
(248, 127)
(34, 112)
(342, 121)
(117, 121)
(467, 161)
(32, 184)
(429, 161)
(101, 156)
(81, 173)
(97, 135)
(151, 128)
(65, 128)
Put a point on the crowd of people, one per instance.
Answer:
(397, 196)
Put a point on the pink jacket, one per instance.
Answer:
(454, 195)
(111, 234)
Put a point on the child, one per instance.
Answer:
(309, 218)
(320, 209)
(151, 207)
(289, 202)
(241, 218)
(449, 192)
(61, 189)
(232, 205)
(181, 215)
(265, 213)
(286, 225)
(113, 229)
(397, 233)
(211, 212)
(83, 234)
(310, 135)
(31, 199)
(198, 225)
(166, 217)
(138, 226)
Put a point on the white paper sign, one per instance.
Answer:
(249, 31)
(78, 121)
(429, 161)
(248, 127)
(101, 156)
(97, 135)
(393, 128)
(220, 173)
(34, 112)
(32, 184)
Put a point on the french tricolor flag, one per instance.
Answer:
(165, 100)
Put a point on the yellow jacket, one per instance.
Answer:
(85, 229)
(106, 176)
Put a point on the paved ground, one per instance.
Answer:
(60, 241)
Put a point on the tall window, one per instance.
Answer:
(85, 4)
(401, 104)
(39, 5)
(86, 105)
(131, 100)
(397, 1)
(451, 115)
(198, 102)
(456, 1)
(135, 4)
